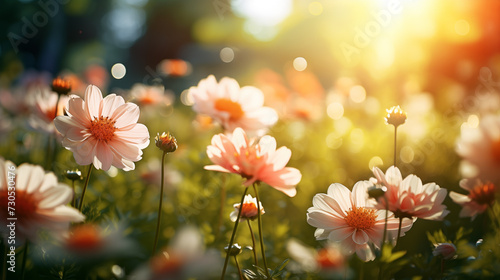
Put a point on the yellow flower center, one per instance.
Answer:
(483, 193)
(227, 105)
(103, 129)
(25, 205)
(361, 218)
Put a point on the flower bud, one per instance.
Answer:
(395, 116)
(74, 175)
(166, 142)
(60, 86)
(235, 249)
(446, 250)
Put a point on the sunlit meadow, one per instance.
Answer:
(249, 139)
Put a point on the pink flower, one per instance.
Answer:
(481, 196)
(101, 131)
(150, 95)
(446, 250)
(40, 201)
(254, 161)
(44, 109)
(349, 218)
(249, 210)
(480, 147)
(409, 198)
(232, 106)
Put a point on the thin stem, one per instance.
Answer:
(395, 143)
(222, 203)
(73, 202)
(85, 187)
(238, 267)
(386, 218)
(25, 257)
(161, 201)
(385, 233)
(399, 229)
(50, 152)
(233, 234)
(253, 243)
(260, 231)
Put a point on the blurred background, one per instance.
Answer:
(329, 67)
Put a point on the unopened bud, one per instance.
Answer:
(166, 142)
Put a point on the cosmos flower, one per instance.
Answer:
(232, 106)
(480, 147)
(103, 131)
(184, 258)
(256, 162)
(40, 201)
(249, 210)
(349, 218)
(327, 259)
(146, 95)
(409, 198)
(481, 196)
(44, 110)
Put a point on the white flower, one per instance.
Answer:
(40, 201)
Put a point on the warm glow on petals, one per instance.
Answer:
(232, 106)
(343, 216)
(40, 201)
(103, 131)
(255, 162)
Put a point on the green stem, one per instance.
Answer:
(25, 257)
(253, 243)
(385, 234)
(238, 267)
(74, 193)
(386, 218)
(232, 235)
(395, 143)
(260, 231)
(85, 187)
(161, 201)
(222, 203)
(399, 229)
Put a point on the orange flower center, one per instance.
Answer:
(51, 113)
(227, 105)
(166, 263)
(361, 218)
(103, 129)
(483, 193)
(329, 258)
(25, 205)
(84, 237)
(249, 210)
(495, 150)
